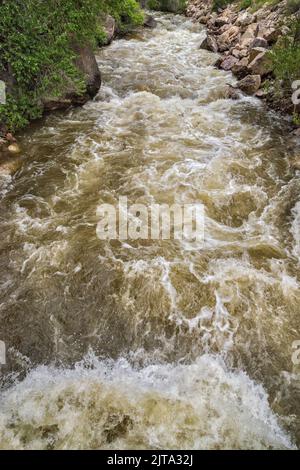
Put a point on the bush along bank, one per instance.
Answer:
(47, 59)
(172, 6)
(259, 41)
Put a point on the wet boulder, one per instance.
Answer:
(150, 22)
(110, 28)
(231, 93)
(209, 43)
(240, 69)
(228, 63)
(250, 84)
(85, 62)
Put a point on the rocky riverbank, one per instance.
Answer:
(47, 59)
(245, 40)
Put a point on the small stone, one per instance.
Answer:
(9, 137)
(260, 94)
(14, 148)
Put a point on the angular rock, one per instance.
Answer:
(269, 34)
(254, 52)
(235, 53)
(228, 63)
(231, 93)
(240, 69)
(244, 19)
(209, 44)
(110, 27)
(226, 39)
(150, 22)
(249, 35)
(230, 34)
(259, 42)
(221, 21)
(86, 63)
(262, 64)
(250, 84)
(239, 53)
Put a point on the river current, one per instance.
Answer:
(152, 344)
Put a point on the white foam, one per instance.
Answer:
(110, 405)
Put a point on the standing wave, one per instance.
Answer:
(110, 405)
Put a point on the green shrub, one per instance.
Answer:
(174, 6)
(292, 6)
(35, 48)
(286, 56)
(220, 4)
(153, 4)
(245, 4)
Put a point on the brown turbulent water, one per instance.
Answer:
(152, 344)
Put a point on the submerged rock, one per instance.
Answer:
(9, 167)
(14, 148)
(231, 93)
(150, 22)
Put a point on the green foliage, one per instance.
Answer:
(220, 4)
(154, 4)
(245, 4)
(286, 57)
(296, 119)
(174, 6)
(254, 5)
(292, 6)
(36, 53)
